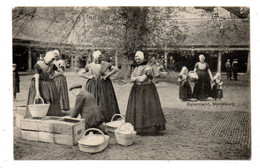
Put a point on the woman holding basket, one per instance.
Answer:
(43, 86)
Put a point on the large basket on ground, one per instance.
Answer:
(39, 110)
(124, 139)
(93, 143)
(113, 125)
(192, 76)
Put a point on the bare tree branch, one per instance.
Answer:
(74, 24)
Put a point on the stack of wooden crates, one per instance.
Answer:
(58, 130)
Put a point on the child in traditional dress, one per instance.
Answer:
(185, 92)
(16, 82)
(216, 91)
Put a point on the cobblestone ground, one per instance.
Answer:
(194, 132)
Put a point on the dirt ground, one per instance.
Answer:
(209, 130)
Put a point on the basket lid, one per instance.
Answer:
(126, 128)
(93, 139)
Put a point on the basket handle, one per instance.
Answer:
(117, 115)
(94, 129)
(39, 98)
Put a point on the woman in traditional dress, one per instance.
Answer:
(185, 88)
(43, 86)
(100, 85)
(144, 109)
(202, 87)
(61, 82)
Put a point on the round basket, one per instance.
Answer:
(92, 146)
(192, 76)
(113, 125)
(124, 139)
(39, 110)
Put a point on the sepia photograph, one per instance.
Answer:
(131, 83)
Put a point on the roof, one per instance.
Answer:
(197, 27)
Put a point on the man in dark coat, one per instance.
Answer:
(16, 82)
(235, 68)
(87, 107)
(228, 69)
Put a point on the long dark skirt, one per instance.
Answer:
(144, 109)
(104, 93)
(216, 93)
(185, 90)
(49, 93)
(202, 87)
(61, 84)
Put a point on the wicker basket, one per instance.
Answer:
(113, 125)
(86, 144)
(124, 139)
(39, 110)
(192, 76)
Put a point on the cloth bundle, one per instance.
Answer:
(126, 128)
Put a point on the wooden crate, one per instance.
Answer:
(47, 123)
(30, 124)
(59, 130)
(30, 135)
(46, 137)
(64, 139)
(68, 131)
(67, 125)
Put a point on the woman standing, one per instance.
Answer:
(42, 85)
(100, 85)
(61, 82)
(144, 109)
(202, 87)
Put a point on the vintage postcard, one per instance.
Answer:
(131, 83)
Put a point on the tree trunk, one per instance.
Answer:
(219, 62)
(135, 18)
(29, 60)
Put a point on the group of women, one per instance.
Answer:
(144, 109)
(202, 85)
(49, 83)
